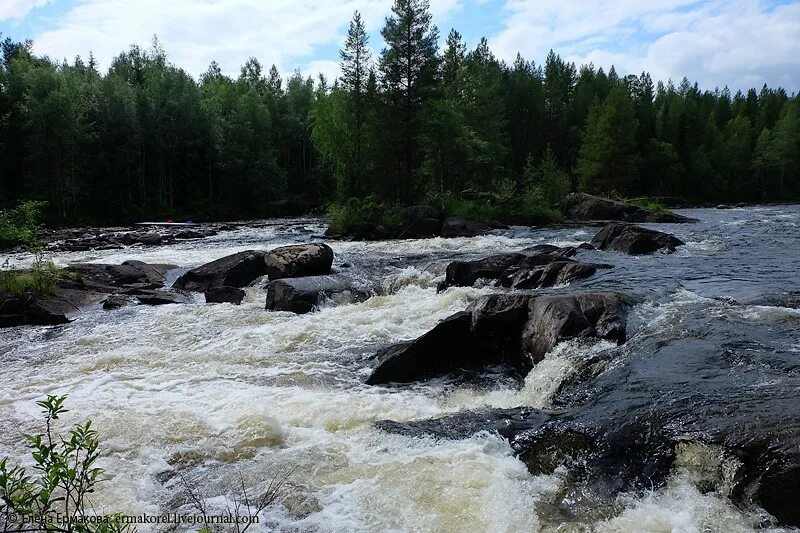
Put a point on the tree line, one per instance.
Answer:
(413, 124)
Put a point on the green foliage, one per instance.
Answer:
(546, 180)
(607, 161)
(147, 140)
(20, 226)
(650, 205)
(54, 497)
(348, 217)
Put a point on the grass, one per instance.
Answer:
(40, 280)
(650, 205)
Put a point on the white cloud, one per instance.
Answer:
(16, 9)
(739, 43)
(195, 32)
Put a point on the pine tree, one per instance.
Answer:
(606, 161)
(355, 64)
(408, 67)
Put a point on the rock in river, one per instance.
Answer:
(298, 261)
(237, 270)
(301, 295)
(511, 329)
(634, 240)
(520, 270)
(231, 295)
(582, 206)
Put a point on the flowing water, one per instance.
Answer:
(205, 396)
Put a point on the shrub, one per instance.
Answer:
(348, 217)
(20, 226)
(40, 280)
(54, 498)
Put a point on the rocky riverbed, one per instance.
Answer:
(581, 378)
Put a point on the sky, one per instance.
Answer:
(734, 43)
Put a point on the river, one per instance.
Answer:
(202, 395)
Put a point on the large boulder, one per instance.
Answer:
(537, 276)
(583, 206)
(515, 330)
(520, 270)
(449, 347)
(298, 260)
(466, 273)
(237, 270)
(302, 295)
(218, 295)
(554, 318)
(634, 240)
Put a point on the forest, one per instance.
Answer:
(421, 122)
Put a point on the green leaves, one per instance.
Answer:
(66, 474)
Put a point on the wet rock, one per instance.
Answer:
(731, 387)
(499, 315)
(554, 318)
(302, 295)
(634, 240)
(230, 295)
(115, 301)
(462, 227)
(582, 206)
(518, 270)
(441, 350)
(108, 278)
(30, 309)
(161, 298)
(150, 239)
(466, 273)
(237, 270)
(298, 261)
(536, 276)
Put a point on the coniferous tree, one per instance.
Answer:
(408, 67)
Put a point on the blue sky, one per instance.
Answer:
(738, 43)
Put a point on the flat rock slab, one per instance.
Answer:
(582, 206)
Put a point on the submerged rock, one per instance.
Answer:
(298, 261)
(634, 240)
(161, 298)
(302, 295)
(237, 270)
(583, 206)
(219, 295)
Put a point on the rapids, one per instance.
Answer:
(203, 394)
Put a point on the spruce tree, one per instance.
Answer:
(408, 68)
